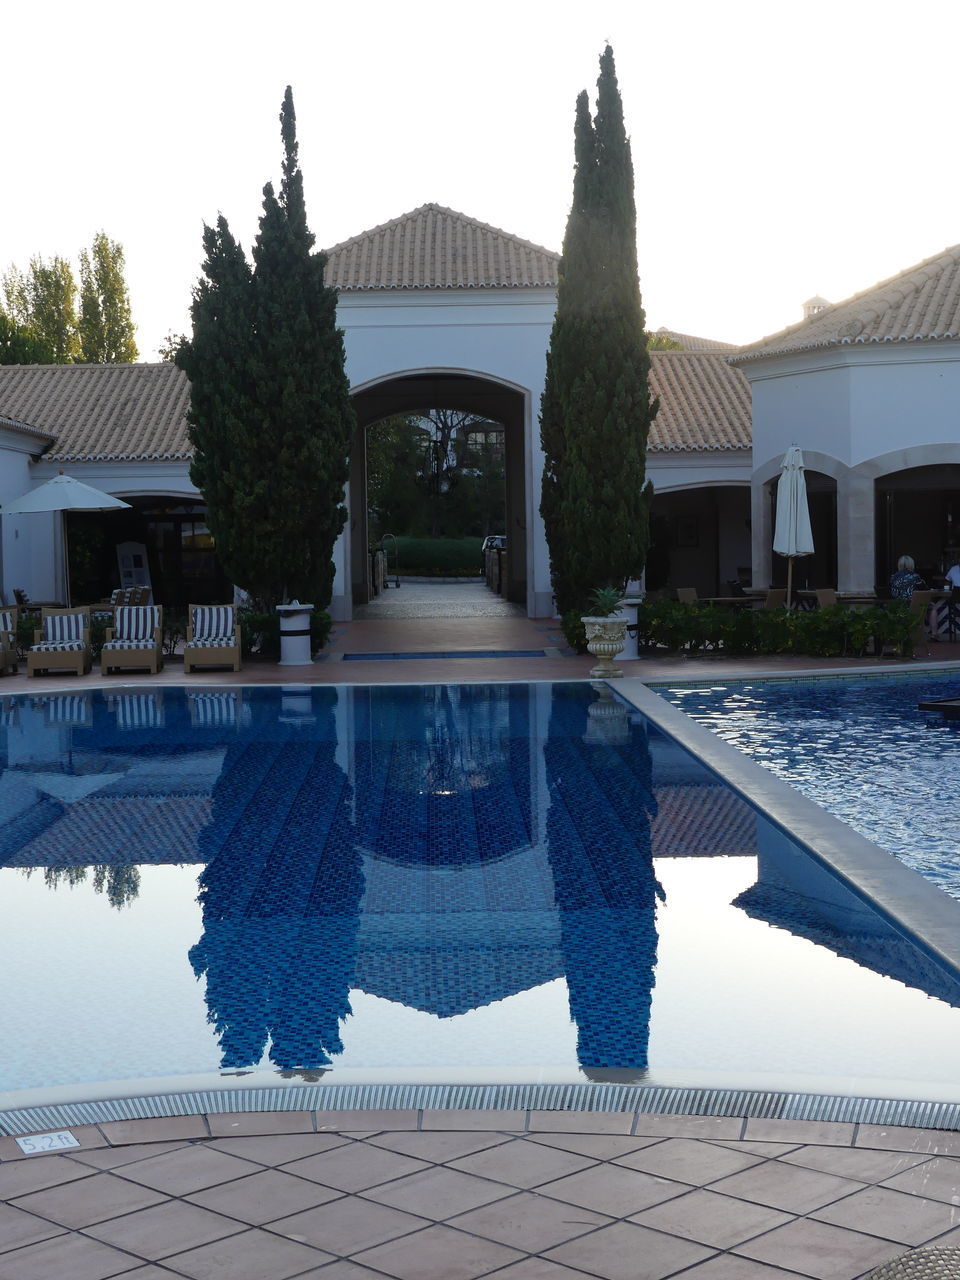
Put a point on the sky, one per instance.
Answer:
(781, 150)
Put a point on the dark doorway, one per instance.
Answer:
(419, 394)
(700, 538)
(181, 555)
(918, 515)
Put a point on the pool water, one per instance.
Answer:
(488, 884)
(861, 748)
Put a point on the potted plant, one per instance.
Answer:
(606, 630)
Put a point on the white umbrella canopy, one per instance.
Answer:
(63, 493)
(792, 536)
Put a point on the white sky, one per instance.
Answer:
(781, 150)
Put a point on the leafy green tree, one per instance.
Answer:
(271, 419)
(106, 328)
(170, 345)
(596, 408)
(20, 345)
(662, 342)
(43, 299)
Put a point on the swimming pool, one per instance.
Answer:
(491, 883)
(860, 748)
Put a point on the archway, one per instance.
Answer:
(918, 514)
(417, 393)
(700, 537)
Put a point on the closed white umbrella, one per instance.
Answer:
(792, 536)
(63, 493)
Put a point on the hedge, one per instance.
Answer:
(832, 632)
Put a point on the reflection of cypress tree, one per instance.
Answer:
(281, 897)
(598, 834)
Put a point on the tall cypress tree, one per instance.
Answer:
(271, 418)
(596, 408)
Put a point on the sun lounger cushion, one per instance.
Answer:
(134, 627)
(63, 629)
(213, 625)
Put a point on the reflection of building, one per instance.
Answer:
(795, 892)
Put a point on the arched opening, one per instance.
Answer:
(162, 542)
(700, 538)
(820, 569)
(918, 514)
(420, 393)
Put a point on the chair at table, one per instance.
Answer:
(134, 640)
(826, 596)
(8, 640)
(687, 595)
(213, 637)
(775, 598)
(62, 643)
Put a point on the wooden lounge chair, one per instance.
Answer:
(134, 640)
(8, 640)
(213, 637)
(62, 643)
(214, 708)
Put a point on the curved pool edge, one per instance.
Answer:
(325, 1102)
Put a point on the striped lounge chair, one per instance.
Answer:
(8, 641)
(134, 640)
(62, 643)
(213, 637)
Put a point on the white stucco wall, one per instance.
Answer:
(857, 412)
(498, 334)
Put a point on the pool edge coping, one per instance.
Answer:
(904, 896)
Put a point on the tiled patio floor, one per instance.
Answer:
(447, 1195)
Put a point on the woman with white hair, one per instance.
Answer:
(905, 580)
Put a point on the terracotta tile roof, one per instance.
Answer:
(137, 411)
(918, 305)
(704, 403)
(702, 821)
(437, 248)
(689, 343)
(101, 412)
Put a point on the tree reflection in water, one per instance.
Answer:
(120, 884)
(280, 896)
(606, 890)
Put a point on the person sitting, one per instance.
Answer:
(953, 576)
(905, 580)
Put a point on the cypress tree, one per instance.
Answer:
(271, 419)
(596, 408)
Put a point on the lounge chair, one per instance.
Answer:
(73, 710)
(134, 640)
(137, 710)
(213, 637)
(8, 640)
(62, 643)
(214, 708)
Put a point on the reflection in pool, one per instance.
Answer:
(484, 883)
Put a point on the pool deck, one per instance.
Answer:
(459, 1195)
(440, 1195)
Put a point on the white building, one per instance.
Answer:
(439, 310)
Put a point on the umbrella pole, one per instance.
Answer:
(789, 580)
(66, 555)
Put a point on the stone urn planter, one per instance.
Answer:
(606, 638)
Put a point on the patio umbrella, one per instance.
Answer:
(63, 493)
(792, 536)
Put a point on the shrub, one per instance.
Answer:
(260, 632)
(435, 557)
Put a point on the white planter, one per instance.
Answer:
(295, 634)
(606, 638)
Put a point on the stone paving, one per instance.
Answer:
(448, 1195)
(415, 598)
